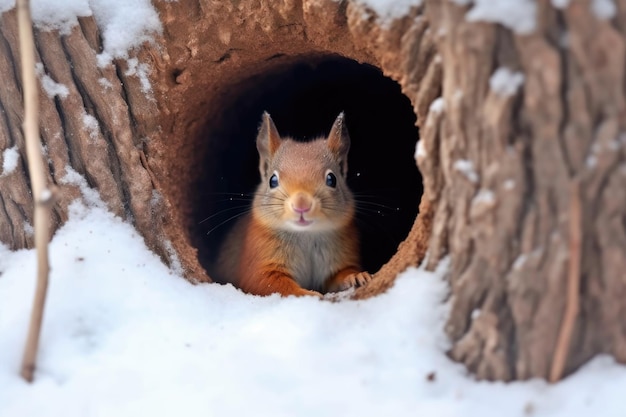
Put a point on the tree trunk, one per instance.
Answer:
(94, 134)
(92, 128)
(504, 169)
(529, 127)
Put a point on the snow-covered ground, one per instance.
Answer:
(125, 336)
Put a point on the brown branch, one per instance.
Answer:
(573, 285)
(41, 194)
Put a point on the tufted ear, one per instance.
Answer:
(267, 141)
(339, 142)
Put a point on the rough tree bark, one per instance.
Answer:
(91, 130)
(500, 169)
(497, 167)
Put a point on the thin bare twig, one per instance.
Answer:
(573, 285)
(41, 194)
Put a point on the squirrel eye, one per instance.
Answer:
(331, 180)
(274, 181)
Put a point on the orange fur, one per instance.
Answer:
(300, 237)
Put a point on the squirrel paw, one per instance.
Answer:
(302, 292)
(312, 293)
(356, 279)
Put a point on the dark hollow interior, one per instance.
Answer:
(304, 95)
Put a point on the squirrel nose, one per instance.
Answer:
(301, 210)
(301, 204)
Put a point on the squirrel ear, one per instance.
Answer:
(268, 139)
(338, 138)
(339, 142)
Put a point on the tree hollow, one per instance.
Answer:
(304, 94)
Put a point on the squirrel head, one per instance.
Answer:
(303, 184)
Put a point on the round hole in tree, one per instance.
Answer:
(304, 95)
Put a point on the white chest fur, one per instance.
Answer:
(312, 258)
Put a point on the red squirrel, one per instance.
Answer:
(299, 237)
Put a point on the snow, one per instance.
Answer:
(10, 158)
(437, 106)
(509, 184)
(28, 230)
(106, 84)
(521, 15)
(388, 10)
(604, 9)
(484, 197)
(175, 265)
(420, 150)
(47, 14)
(123, 335)
(519, 262)
(482, 203)
(51, 87)
(505, 82)
(518, 15)
(91, 125)
(466, 168)
(560, 4)
(141, 71)
(592, 159)
(90, 195)
(123, 24)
